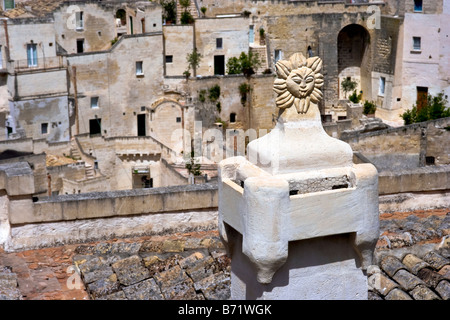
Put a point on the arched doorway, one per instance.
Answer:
(353, 59)
(166, 118)
(121, 22)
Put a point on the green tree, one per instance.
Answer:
(354, 97)
(186, 18)
(348, 85)
(203, 10)
(245, 64)
(369, 107)
(244, 89)
(192, 166)
(169, 7)
(193, 60)
(214, 93)
(436, 108)
(233, 66)
(185, 3)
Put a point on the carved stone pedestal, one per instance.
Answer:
(299, 219)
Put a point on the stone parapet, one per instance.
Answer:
(429, 178)
(119, 203)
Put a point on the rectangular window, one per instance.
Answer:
(44, 128)
(131, 25)
(219, 43)
(417, 44)
(178, 119)
(139, 69)
(278, 55)
(32, 55)
(418, 6)
(8, 4)
(94, 102)
(169, 59)
(382, 86)
(251, 34)
(80, 45)
(79, 21)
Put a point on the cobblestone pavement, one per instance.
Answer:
(412, 262)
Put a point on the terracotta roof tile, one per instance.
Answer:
(391, 265)
(398, 294)
(414, 263)
(32, 8)
(407, 280)
(436, 260)
(443, 288)
(421, 292)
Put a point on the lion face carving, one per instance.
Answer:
(299, 82)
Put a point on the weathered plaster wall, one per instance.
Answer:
(178, 43)
(234, 34)
(22, 32)
(29, 115)
(98, 27)
(166, 118)
(121, 93)
(100, 23)
(422, 68)
(36, 83)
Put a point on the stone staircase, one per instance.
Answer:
(192, 9)
(76, 155)
(89, 171)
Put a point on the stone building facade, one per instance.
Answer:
(117, 70)
(369, 41)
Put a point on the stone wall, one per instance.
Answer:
(122, 93)
(404, 147)
(25, 31)
(76, 171)
(85, 185)
(37, 164)
(263, 110)
(26, 222)
(234, 35)
(117, 156)
(47, 221)
(52, 112)
(35, 146)
(99, 23)
(430, 178)
(178, 43)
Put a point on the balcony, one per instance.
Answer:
(40, 64)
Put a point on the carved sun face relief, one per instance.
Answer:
(298, 82)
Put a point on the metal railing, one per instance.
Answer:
(57, 62)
